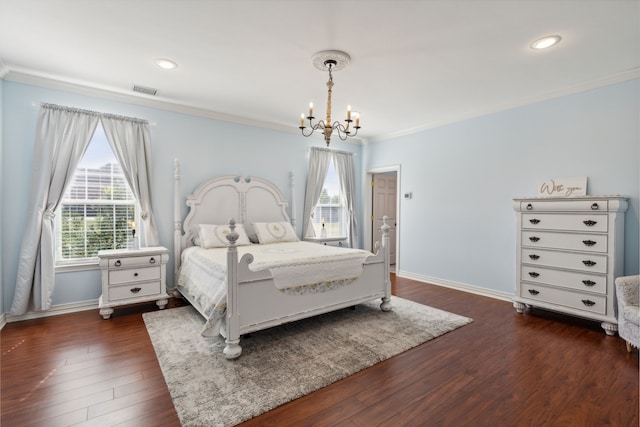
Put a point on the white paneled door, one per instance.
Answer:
(384, 196)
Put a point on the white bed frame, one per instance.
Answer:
(253, 301)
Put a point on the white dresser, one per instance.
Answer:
(328, 241)
(568, 253)
(131, 276)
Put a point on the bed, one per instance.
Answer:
(241, 287)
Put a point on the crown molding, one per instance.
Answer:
(624, 76)
(114, 94)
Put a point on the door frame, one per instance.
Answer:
(368, 208)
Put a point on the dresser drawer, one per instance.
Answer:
(130, 261)
(134, 290)
(569, 241)
(569, 222)
(569, 279)
(564, 205)
(567, 298)
(141, 274)
(593, 263)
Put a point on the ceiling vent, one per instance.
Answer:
(146, 90)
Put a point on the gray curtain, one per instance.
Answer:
(131, 142)
(347, 174)
(319, 160)
(62, 137)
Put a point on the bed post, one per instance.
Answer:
(386, 300)
(177, 224)
(232, 350)
(292, 184)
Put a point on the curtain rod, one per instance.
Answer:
(332, 151)
(90, 112)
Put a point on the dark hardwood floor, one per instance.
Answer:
(504, 369)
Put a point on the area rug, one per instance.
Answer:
(280, 364)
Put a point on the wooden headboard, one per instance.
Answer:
(245, 199)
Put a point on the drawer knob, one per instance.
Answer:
(534, 257)
(135, 274)
(152, 260)
(595, 207)
(588, 282)
(590, 223)
(533, 292)
(529, 206)
(533, 274)
(534, 221)
(589, 263)
(588, 302)
(135, 290)
(589, 242)
(118, 263)
(534, 239)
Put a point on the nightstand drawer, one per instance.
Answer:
(134, 275)
(134, 290)
(130, 261)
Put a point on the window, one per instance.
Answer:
(98, 210)
(330, 209)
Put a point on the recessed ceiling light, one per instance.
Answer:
(545, 42)
(167, 64)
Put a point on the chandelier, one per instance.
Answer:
(330, 60)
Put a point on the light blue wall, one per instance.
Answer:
(205, 147)
(460, 224)
(1, 180)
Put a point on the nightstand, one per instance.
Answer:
(329, 241)
(131, 276)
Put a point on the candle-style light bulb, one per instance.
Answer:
(302, 120)
(348, 112)
(311, 109)
(357, 119)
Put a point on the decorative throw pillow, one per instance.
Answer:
(274, 232)
(215, 236)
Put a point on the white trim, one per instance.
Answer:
(458, 286)
(624, 76)
(3, 320)
(367, 200)
(55, 311)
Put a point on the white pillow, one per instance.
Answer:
(215, 236)
(274, 232)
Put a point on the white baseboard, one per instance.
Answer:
(53, 311)
(458, 286)
(3, 320)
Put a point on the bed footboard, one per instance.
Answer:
(245, 289)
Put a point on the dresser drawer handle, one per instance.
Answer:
(595, 207)
(588, 302)
(533, 274)
(588, 282)
(135, 290)
(589, 263)
(118, 263)
(152, 260)
(529, 206)
(135, 274)
(534, 239)
(533, 292)
(589, 242)
(590, 223)
(534, 257)
(534, 221)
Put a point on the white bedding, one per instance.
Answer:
(296, 267)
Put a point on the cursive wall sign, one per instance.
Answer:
(563, 187)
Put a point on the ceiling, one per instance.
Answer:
(414, 64)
